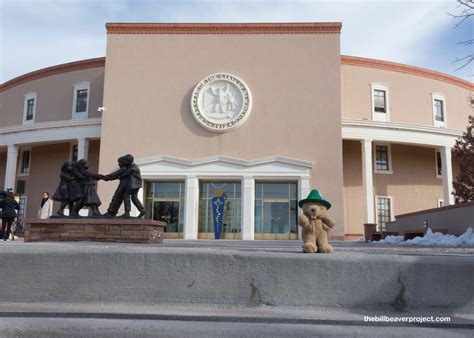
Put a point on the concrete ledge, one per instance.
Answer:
(94, 229)
(156, 275)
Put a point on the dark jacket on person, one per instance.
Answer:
(8, 208)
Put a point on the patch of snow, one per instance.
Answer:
(438, 239)
(434, 239)
(391, 240)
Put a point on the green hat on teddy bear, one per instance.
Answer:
(315, 196)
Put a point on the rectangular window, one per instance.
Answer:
(276, 210)
(384, 211)
(440, 203)
(74, 152)
(439, 165)
(381, 158)
(379, 101)
(81, 101)
(25, 162)
(30, 109)
(439, 110)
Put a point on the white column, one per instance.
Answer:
(248, 208)
(191, 203)
(82, 148)
(367, 171)
(10, 171)
(447, 171)
(304, 190)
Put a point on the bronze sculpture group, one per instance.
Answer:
(77, 188)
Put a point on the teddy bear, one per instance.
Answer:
(315, 237)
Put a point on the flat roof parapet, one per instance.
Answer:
(225, 28)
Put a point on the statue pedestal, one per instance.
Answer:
(94, 229)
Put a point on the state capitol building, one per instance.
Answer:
(260, 112)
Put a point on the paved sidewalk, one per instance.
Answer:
(291, 246)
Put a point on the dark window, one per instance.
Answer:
(439, 164)
(439, 110)
(74, 152)
(381, 158)
(379, 101)
(25, 162)
(20, 187)
(81, 101)
(384, 211)
(30, 109)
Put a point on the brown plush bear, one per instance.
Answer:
(315, 237)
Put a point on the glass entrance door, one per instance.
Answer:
(165, 202)
(276, 210)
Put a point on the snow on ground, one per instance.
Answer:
(434, 239)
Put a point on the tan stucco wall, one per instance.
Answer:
(54, 96)
(409, 95)
(294, 80)
(46, 161)
(413, 184)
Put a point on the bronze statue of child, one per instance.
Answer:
(130, 183)
(69, 191)
(87, 180)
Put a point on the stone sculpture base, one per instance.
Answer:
(97, 230)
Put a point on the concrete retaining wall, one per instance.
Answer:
(455, 218)
(160, 275)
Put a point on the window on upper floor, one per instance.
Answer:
(380, 102)
(439, 110)
(29, 108)
(382, 159)
(80, 106)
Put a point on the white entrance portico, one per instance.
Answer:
(272, 168)
(371, 132)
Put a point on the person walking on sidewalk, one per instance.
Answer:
(8, 215)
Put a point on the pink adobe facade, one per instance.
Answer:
(312, 122)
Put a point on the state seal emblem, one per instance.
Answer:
(221, 102)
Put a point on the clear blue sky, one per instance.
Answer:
(41, 33)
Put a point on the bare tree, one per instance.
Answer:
(466, 11)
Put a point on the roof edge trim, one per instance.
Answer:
(402, 68)
(225, 28)
(57, 69)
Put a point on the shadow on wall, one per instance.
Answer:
(190, 122)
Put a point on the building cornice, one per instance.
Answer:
(58, 69)
(354, 129)
(401, 68)
(400, 126)
(224, 28)
(56, 131)
(225, 159)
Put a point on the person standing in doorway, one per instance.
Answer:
(9, 204)
(45, 209)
